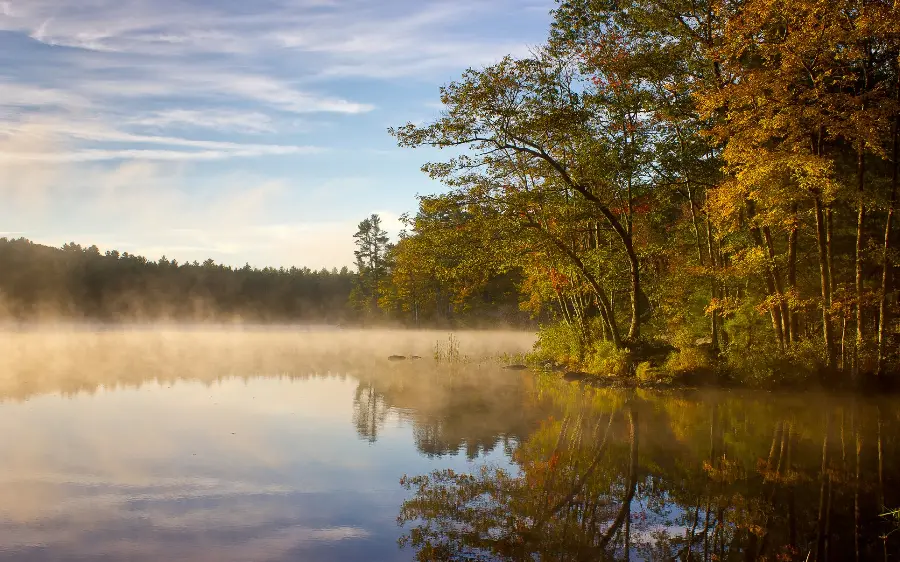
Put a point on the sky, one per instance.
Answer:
(246, 132)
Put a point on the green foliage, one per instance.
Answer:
(801, 365)
(447, 269)
(895, 517)
(688, 360)
(371, 253)
(606, 359)
(558, 343)
(562, 344)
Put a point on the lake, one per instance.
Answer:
(253, 444)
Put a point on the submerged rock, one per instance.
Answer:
(517, 367)
(575, 376)
(397, 358)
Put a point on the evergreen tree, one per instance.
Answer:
(371, 264)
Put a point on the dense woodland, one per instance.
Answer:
(702, 175)
(74, 282)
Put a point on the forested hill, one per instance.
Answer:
(75, 282)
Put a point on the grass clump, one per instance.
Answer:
(449, 352)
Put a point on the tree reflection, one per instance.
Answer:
(571, 499)
(621, 476)
(473, 409)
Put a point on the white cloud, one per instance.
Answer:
(280, 95)
(204, 85)
(218, 120)
(99, 155)
(124, 122)
(18, 95)
(23, 143)
(352, 37)
(154, 208)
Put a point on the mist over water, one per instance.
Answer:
(251, 443)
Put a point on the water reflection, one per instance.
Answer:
(690, 476)
(451, 408)
(202, 446)
(258, 445)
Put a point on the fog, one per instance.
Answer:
(70, 359)
(237, 443)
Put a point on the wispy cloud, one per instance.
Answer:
(216, 119)
(151, 123)
(204, 85)
(353, 37)
(98, 155)
(57, 142)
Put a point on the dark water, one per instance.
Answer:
(288, 446)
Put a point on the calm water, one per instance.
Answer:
(280, 445)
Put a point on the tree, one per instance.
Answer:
(682, 166)
(371, 266)
(534, 135)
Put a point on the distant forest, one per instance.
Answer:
(81, 283)
(74, 282)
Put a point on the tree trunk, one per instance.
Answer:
(621, 231)
(794, 321)
(883, 319)
(696, 228)
(775, 308)
(825, 280)
(634, 330)
(779, 287)
(858, 278)
(714, 317)
(829, 235)
(606, 310)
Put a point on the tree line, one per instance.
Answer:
(81, 283)
(715, 172)
(76, 282)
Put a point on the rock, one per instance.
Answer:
(397, 358)
(517, 367)
(703, 341)
(414, 357)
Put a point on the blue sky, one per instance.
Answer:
(246, 131)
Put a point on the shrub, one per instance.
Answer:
(645, 372)
(687, 360)
(766, 365)
(558, 343)
(605, 359)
